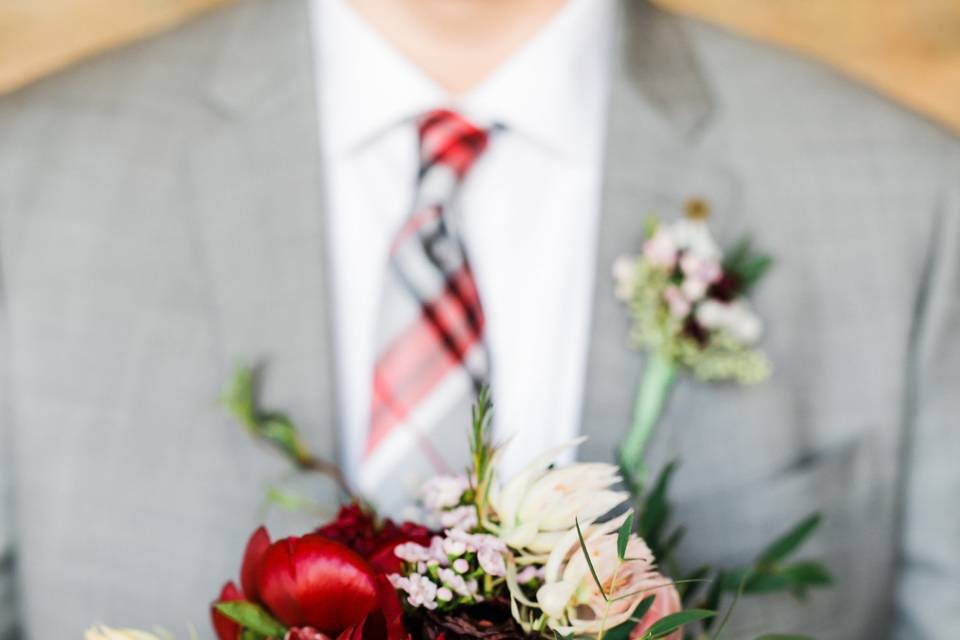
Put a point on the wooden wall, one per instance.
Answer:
(908, 49)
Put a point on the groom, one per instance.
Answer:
(392, 201)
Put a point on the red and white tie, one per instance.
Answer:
(431, 356)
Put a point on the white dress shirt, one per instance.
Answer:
(529, 209)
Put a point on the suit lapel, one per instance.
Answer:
(658, 156)
(260, 202)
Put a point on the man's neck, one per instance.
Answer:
(458, 43)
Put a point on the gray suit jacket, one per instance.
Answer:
(162, 219)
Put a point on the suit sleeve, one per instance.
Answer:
(8, 619)
(9, 627)
(928, 589)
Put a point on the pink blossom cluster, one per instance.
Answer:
(445, 569)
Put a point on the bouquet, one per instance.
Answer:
(553, 552)
(585, 551)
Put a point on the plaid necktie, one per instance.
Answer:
(431, 358)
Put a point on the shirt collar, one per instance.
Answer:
(551, 91)
(366, 86)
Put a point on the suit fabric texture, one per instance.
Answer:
(162, 220)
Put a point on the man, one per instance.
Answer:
(248, 187)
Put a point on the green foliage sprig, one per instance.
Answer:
(274, 428)
(482, 454)
(773, 570)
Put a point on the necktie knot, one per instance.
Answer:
(450, 140)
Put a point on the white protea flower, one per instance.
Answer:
(570, 598)
(102, 632)
(540, 505)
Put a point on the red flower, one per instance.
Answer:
(226, 628)
(357, 529)
(314, 581)
(305, 633)
(249, 571)
(315, 585)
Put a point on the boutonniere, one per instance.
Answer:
(688, 303)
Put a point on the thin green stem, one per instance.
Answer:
(733, 605)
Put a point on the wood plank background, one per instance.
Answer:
(908, 49)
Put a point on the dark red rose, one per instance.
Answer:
(358, 530)
(226, 628)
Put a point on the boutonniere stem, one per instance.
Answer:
(658, 378)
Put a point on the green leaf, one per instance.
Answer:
(808, 573)
(252, 617)
(671, 543)
(650, 226)
(668, 624)
(790, 541)
(586, 555)
(239, 396)
(752, 270)
(291, 501)
(712, 600)
(798, 578)
(656, 510)
(623, 536)
(690, 584)
(275, 428)
(747, 266)
(643, 607)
